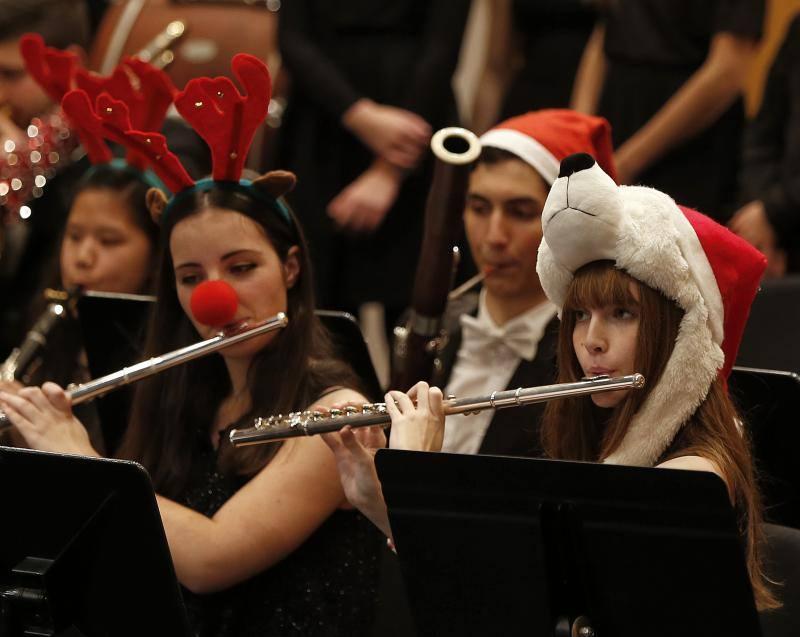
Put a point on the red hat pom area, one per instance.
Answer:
(543, 138)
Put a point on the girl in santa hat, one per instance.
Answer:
(642, 285)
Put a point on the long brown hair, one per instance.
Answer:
(572, 429)
(175, 410)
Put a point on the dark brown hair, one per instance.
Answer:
(174, 410)
(572, 429)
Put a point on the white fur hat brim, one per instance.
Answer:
(589, 218)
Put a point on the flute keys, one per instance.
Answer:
(268, 423)
(373, 408)
(296, 419)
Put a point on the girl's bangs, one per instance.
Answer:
(598, 284)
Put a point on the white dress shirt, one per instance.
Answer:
(486, 360)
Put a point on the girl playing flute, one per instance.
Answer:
(642, 285)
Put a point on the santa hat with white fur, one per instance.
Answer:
(710, 273)
(543, 138)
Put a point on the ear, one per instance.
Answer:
(276, 183)
(291, 267)
(156, 201)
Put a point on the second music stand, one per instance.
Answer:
(512, 546)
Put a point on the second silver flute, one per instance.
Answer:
(309, 423)
(99, 386)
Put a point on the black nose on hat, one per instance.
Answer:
(575, 163)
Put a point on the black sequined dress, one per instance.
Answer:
(325, 587)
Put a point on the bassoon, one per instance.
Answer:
(415, 342)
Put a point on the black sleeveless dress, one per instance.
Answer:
(326, 587)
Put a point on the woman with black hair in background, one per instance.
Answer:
(109, 245)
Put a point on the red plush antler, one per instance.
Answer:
(52, 69)
(157, 93)
(78, 109)
(111, 119)
(152, 146)
(117, 84)
(146, 91)
(225, 118)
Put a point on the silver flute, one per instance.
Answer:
(99, 386)
(311, 423)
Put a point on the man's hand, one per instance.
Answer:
(752, 224)
(395, 134)
(363, 204)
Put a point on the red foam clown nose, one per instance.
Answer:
(214, 303)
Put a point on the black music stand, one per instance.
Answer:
(774, 316)
(82, 550)
(512, 546)
(113, 329)
(769, 402)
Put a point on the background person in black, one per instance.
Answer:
(522, 71)
(668, 76)
(769, 217)
(370, 81)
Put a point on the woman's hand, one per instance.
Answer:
(10, 386)
(44, 418)
(354, 451)
(420, 427)
(363, 204)
(395, 134)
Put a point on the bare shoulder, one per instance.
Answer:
(691, 463)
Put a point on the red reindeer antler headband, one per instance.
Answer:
(53, 70)
(145, 93)
(224, 117)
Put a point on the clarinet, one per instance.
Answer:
(22, 360)
(416, 342)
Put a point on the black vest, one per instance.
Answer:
(513, 431)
